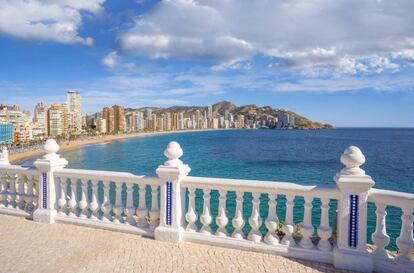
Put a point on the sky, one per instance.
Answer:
(345, 62)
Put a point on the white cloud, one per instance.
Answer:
(110, 60)
(47, 20)
(310, 36)
(113, 60)
(379, 64)
(381, 83)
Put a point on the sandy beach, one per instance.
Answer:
(66, 145)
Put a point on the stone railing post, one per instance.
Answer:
(350, 252)
(4, 157)
(172, 196)
(50, 162)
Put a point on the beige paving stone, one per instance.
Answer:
(27, 246)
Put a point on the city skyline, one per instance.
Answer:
(65, 120)
(123, 52)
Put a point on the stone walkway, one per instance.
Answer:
(27, 246)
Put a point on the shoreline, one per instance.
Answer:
(67, 145)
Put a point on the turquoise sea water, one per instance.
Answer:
(306, 157)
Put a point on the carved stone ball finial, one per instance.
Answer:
(352, 158)
(173, 152)
(51, 148)
(4, 156)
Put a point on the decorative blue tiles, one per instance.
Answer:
(353, 221)
(168, 205)
(44, 190)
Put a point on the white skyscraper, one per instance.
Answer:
(140, 121)
(181, 121)
(40, 115)
(210, 112)
(74, 104)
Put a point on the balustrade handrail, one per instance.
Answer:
(275, 187)
(16, 169)
(392, 198)
(119, 177)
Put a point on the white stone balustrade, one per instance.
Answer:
(324, 230)
(206, 218)
(158, 207)
(190, 216)
(93, 204)
(271, 222)
(221, 219)
(18, 188)
(120, 215)
(255, 221)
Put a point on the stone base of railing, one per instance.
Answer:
(44, 216)
(312, 254)
(361, 261)
(15, 212)
(168, 234)
(145, 232)
(390, 266)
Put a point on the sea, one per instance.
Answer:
(308, 157)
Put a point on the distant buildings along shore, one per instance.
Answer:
(66, 119)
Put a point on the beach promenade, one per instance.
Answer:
(28, 246)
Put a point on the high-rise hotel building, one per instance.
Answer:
(115, 119)
(57, 120)
(74, 105)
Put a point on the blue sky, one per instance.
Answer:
(348, 63)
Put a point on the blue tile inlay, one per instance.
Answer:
(44, 189)
(168, 204)
(353, 221)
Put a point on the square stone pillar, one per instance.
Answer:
(46, 205)
(351, 250)
(172, 196)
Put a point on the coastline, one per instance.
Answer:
(67, 145)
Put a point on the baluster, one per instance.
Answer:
(34, 191)
(130, 209)
(324, 231)
(221, 219)
(3, 193)
(83, 203)
(271, 222)
(306, 227)
(20, 195)
(255, 221)
(62, 195)
(106, 204)
(28, 198)
(142, 211)
(405, 241)
(205, 217)
(155, 211)
(118, 208)
(288, 228)
(190, 216)
(238, 221)
(380, 237)
(93, 204)
(72, 200)
(12, 192)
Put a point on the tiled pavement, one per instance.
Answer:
(27, 246)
